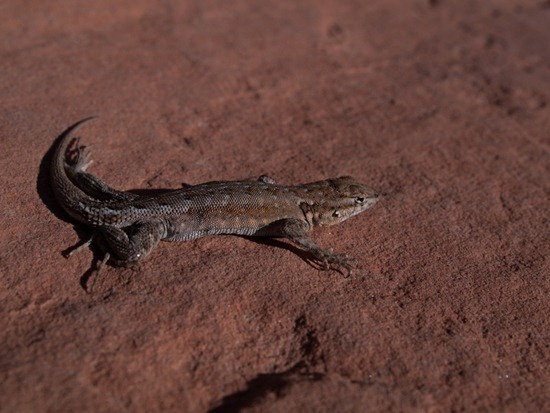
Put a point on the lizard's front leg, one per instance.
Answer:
(127, 246)
(297, 231)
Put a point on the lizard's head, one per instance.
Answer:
(345, 197)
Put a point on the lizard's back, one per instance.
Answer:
(224, 207)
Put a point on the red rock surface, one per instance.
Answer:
(440, 105)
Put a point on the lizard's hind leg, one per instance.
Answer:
(127, 246)
(89, 183)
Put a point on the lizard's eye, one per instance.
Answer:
(359, 200)
(336, 214)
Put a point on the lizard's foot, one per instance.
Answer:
(100, 266)
(328, 257)
(79, 247)
(82, 158)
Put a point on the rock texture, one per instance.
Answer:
(440, 105)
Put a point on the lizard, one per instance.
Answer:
(128, 226)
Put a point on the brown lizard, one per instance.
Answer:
(128, 226)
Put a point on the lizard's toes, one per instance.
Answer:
(82, 158)
(345, 262)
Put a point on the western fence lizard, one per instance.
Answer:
(128, 226)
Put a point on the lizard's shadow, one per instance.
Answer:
(285, 245)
